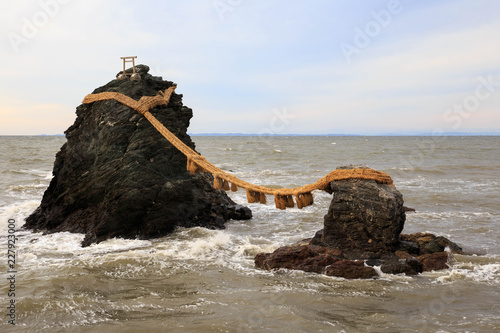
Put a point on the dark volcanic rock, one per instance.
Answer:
(301, 256)
(350, 269)
(363, 216)
(317, 259)
(434, 261)
(409, 266)
(429, 243)
(363, 229)
(332, 261)
(116, 176)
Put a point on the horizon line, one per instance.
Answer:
(486, 133)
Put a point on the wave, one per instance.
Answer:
(45, 174)
(484, 273)
(17, 211)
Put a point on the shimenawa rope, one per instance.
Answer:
(283, 198)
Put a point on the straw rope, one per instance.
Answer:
(283, 198)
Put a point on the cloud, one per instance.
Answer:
(260, 57)
(410, 86)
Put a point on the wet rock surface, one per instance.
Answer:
(363, 215)
(362, 230)
(116, 176)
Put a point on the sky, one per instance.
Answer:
(261, 66)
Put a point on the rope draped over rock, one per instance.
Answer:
(283, 198)
(142, 106)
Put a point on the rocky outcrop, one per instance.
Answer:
(116, 176)
(363, 216)
(308, 257)
(313, 258)
(427, 243)
(362, 230)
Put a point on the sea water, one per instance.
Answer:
(200, 280)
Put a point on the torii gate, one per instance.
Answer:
(134, 76)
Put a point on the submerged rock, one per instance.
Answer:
(362, 229)
(312, 258)
(116, 176)
(408, 266)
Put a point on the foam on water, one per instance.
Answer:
(18, 211)
(479, 269)
(197, 244)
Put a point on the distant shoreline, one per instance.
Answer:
(293, 134)
(381, 134)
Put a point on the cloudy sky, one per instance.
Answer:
(261, 66)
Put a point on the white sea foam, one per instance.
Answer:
(251, 246)
(17, 211)
(486, 273)
(194, 244)
(117, 245)
(400, 278)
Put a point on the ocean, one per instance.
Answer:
(199, 280)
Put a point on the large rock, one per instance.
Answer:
(362, 229)
(116, 176)
(363, 216)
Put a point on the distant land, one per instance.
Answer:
(364, 134)
(489, 133)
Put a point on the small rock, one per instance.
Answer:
(429, 243)
(409, 246)
(349, 269)
(415, 264)
(434, 261)
(410, 266)
(239, 212)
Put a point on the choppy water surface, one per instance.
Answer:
(199, 280)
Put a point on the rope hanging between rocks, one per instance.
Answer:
(283, 197)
